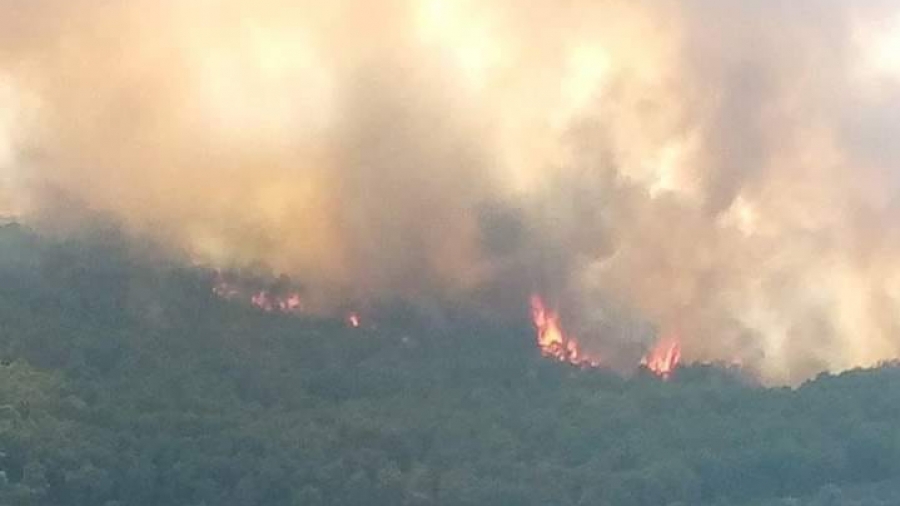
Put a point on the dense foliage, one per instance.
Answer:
(126, 382)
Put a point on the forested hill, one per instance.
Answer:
(127, 382)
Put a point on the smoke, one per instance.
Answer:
(723, 171)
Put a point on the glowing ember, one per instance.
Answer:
(552, 340)
(664, 358)
(353, 320)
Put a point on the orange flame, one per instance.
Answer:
(261, 299)
(553, 341)
(664, 358)
(290, 303)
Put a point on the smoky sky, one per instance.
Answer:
(722, 171)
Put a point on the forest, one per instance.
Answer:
(125, 381)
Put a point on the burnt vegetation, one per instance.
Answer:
(128, 382)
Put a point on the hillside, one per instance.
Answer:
(126, 381)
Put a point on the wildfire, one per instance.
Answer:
(265, 300)
(270, 303)
(553, 341)
(664, 358)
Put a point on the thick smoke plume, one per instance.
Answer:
(719, 170)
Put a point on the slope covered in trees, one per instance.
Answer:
(127, 382)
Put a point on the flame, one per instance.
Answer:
(270, 300)
(225, 290)
(553, 341)
(262, 299)
(664, 358)
(270, 303)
